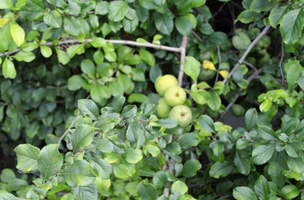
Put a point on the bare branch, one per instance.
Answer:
(247, 52)
(281, 61)
(182, 59)
(127, 42)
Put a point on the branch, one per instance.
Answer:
(255, 74)
(281, 61)
(71, 125)
(183, 55)
(247, 52)
(127, 42)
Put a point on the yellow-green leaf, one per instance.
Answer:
(224, 73)
(17, 33)
(8, 69)
(208, 65)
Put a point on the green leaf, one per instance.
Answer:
(32, 129)
(243, 193)
(291, 26)
(134, 131)
(200, 97)
(152, 149)
(133, 156)
(215, 101)
(183, 25)
(190, 168)
(242, 162)
(275, 173)
(267, 133)
(5, 37)
(197, 3)
(276, 15)
(24, 56)
(102, 8)
(79, 173)
(293, 70)
(110, 56)
(120, 171)
(136, 97)
(100, 93)
(98, 57)
(118, 10)
(88, 67)
(206, 123)
(46, 51)
(27, 157)
(295, 164)
(248, 16)
(261, 188)
(146, 192)
(167, 123)
(8, 196)
(173, 148)
(130, 25)
(17, 33)
(49, 161)
(85, 192)
(192, 67)
(53, 19)
(6, 4)
(221, 169)
(7, 175)
(293, 149)
(260, 5)
(237, 75)
(160, 179)
(74, 8)
(71, 25)
(147, 57)
(179, 186)
(262, 154)
(75, 82)
(217, 147)
(63, 57)
(8, 69)
(290, 191)
(82, 137)
(251, 117)
(163, 23)
(129, 111)
(218, 38)
(101, 167)
(188, 140)
(88, 107)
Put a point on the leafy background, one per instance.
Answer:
(77, 105)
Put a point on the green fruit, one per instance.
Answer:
(206, 74)
(175, 95)
(182, 114)
(162, 83)
(164, 109)
(237, 110)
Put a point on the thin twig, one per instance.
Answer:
(246, 63)
(247, 52)
(198, 37)
(126, 42)
(281, 62)
(220, 61)
(71, 125)
(254, 75)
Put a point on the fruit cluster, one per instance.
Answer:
(173, 98)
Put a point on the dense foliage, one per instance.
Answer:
(78, 104)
